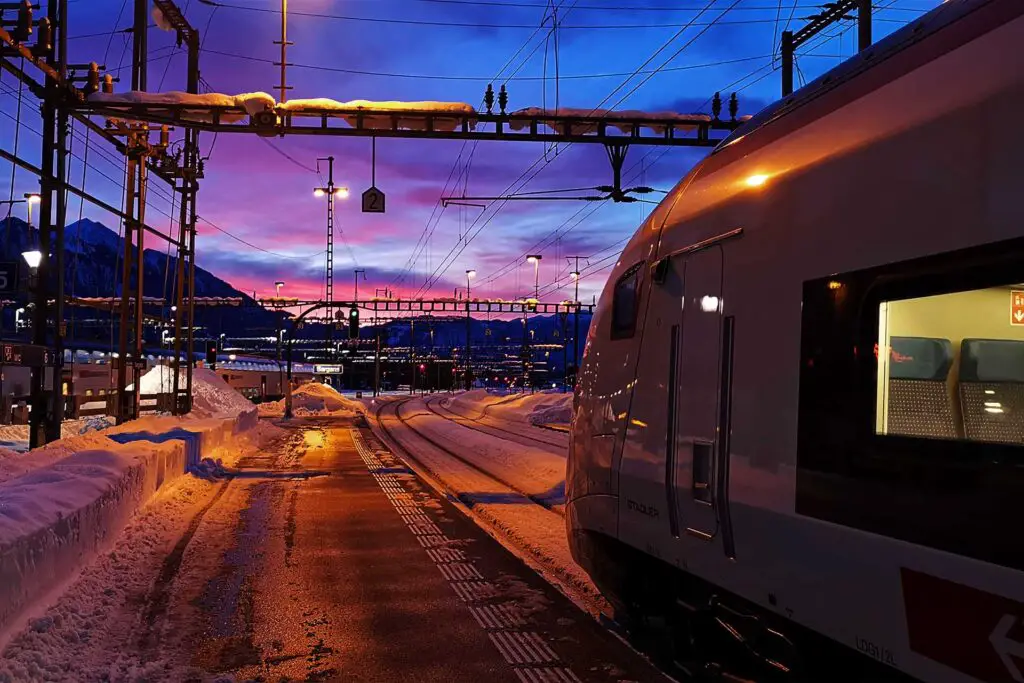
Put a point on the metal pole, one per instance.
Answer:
(38, 399)
(863, 24)
(288, 382)
(412, 354)
(140, 279)
(57, 405)
(787, 63)
(179, 279)
(139, 48)
(576, 327)
(126, 280)
(283, 87)
(565, 352)
(468, 375)
(376, 365)
(190, 345)
(330, 257)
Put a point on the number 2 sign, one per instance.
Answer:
(373, 201)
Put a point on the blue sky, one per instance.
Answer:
(433, 50)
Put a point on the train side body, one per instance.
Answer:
(916, 156)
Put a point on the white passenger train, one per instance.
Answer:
(802, 396)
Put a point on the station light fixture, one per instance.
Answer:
(33, 257)
(319, 192)
(33, 197)
(756, 180)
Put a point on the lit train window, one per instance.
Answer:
(952, 366)
(626, 303)
(910, 412)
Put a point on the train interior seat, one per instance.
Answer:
(992, 389)
(919, 401)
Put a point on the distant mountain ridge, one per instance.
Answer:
(92, 268)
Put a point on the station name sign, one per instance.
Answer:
(329, 369)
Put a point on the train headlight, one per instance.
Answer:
(710, 304)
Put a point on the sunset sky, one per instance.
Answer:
(261, 191)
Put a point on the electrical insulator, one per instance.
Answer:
(489, 98)
(502, 99)
(93, 83)
(44, 41)
(108, 84)
(23, 29)
(734, 106)
(716, 106)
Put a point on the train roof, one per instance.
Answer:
(944, 29)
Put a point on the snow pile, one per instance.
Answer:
(315, 399)
(348, 112)
(556, 411)
(64, 502)
(253, 103)
(211, 395)
(593, 116)
(160, 20)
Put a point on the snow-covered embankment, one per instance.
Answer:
(65, 502)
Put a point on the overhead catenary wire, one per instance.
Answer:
(457, 250)
(479, 79)
(439, 208)
(458, 24)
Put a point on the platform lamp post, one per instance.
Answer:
(332, 192)
(37, 418)
(575, 326)
(535, 259)
(467, 374)
(30, 199)
(280, 331)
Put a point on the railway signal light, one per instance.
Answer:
(211, 352)
(353, 323)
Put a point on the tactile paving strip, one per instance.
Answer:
(524, 650)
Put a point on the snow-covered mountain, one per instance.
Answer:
(92, 263)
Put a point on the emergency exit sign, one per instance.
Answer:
(1016, 307)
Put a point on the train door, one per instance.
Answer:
(703, 370)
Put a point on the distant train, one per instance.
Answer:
(800, 415)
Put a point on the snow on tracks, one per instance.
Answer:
(454, 466)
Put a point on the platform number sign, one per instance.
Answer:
(8, 277)
(1016, 307)
(373, 201)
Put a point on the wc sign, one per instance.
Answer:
(1016, 307)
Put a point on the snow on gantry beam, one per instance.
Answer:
(259, 113)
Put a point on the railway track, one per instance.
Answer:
(560, 447)
(396, 407)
